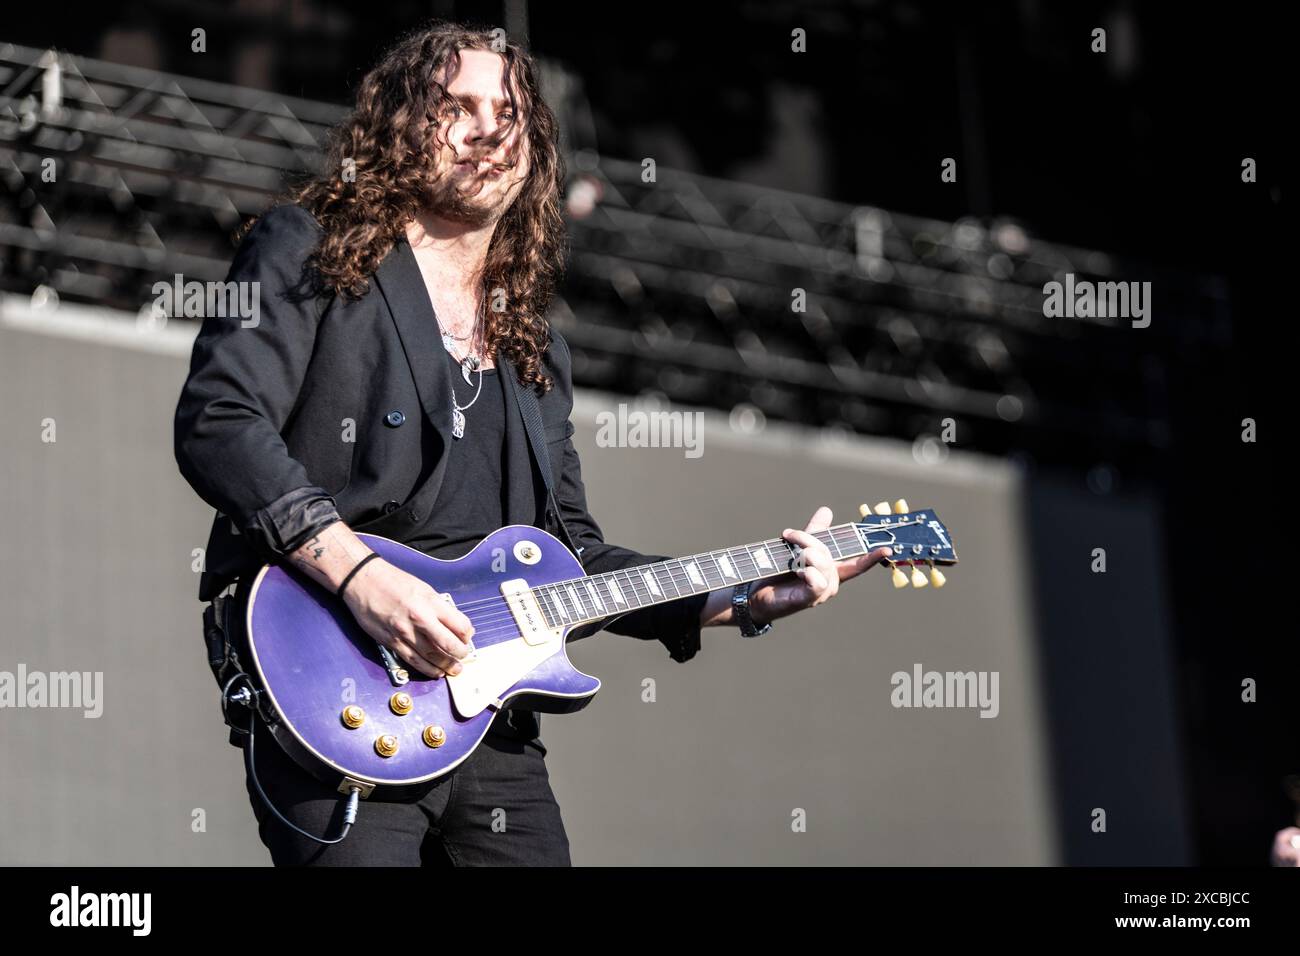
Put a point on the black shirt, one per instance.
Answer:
(470, 503)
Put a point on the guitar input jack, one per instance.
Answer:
(247, 696)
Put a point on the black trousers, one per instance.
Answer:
(495, 809)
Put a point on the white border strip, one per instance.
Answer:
(97, 324)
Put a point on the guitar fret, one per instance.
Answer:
(717, 572)
(632, 591)
(728, 569)
(831, 545)
(672, 578)
(616, 593)
(666, 569)
(715, 576)
(620, 582)
(781, 556)
(689, 573)
(576, 597)
(651, 583)
(693, 573)
(564, 605)
(543, 601)
(657, 572)
(606, 599)
(595, 597)
(742, 557)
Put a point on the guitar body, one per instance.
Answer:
(311, 660)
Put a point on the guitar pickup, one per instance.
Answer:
(526, 612)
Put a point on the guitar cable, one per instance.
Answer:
(247, 697)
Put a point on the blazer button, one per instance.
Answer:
(391, 506)
(395, 418)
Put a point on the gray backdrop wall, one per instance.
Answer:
(96, 575)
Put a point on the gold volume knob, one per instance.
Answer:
(385, 745)
(434, 735)
(353, 716)
(401, 703)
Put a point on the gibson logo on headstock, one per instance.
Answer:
(938, 531)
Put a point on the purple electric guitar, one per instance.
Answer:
(347, 710)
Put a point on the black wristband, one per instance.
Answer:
(351, 574)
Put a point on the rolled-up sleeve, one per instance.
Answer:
(246, 372)
(676, 624)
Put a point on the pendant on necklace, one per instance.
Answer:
(464, 371)
(448, 342)
(457, 423)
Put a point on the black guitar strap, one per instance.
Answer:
(533, 426)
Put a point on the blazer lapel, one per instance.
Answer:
(402, 285)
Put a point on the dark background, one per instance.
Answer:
(1137, 152)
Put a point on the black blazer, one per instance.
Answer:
(328, 408)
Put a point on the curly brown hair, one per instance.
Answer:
(393, 136)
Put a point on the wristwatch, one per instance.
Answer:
(740, 608)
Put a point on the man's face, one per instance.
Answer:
(478, 177)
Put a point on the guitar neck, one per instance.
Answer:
(598, 596)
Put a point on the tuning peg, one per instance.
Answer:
(882, 508)
(900, 579)
(864, 511)
(900, 507)
(918, 578)
(936, 577)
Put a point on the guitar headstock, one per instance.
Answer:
(918, 540)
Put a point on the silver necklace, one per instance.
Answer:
(470, 363)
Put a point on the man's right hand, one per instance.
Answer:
(397, 609)
(410, 618)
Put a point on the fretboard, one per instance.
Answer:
(599, 596)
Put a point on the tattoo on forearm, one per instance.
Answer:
(309, 553)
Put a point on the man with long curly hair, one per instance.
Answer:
(400, 287)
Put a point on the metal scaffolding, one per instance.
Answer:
(711, 292)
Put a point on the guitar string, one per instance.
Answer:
(747, 548)
(678, 577)
(677, 574)
(640, 589)
(494, 622)
(488, 614)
